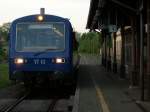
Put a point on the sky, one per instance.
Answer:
(75, 10)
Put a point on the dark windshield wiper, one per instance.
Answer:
(42, 52)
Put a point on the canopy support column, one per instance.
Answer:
(122, 66)
(114, 57)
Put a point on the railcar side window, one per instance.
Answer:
(37, 37)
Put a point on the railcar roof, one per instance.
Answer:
(31, 18)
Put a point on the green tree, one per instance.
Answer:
(4, 30)
(78, 35)
(90, 42)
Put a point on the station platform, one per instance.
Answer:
(102, 91)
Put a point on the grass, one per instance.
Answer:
(4, 77)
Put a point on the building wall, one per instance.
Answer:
(128, 50)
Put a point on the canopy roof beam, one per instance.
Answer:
(125, 6)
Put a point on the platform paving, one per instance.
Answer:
(102, 91)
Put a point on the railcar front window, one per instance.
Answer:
(37, 37)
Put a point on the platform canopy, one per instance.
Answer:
(103, 13)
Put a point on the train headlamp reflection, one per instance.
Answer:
(19, 61)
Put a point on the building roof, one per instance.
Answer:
(104, 12)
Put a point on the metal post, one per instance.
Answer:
(141, 50)
(109, 54)
(102, 49)
(114, 43)
(134, 79)
(122, 67)
(107, 50)
(138, 48)
(105, 61)
(148, 46)
(115, 60)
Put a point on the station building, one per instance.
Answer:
(126, 23)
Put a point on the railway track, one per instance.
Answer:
(10, 107)
(52, 105)
(38, 100)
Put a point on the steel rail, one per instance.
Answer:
(52, 105)
(10, 107)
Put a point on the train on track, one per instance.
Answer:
(41, 49)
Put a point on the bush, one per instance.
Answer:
(4, 82)
(1, 58)
(3, 55)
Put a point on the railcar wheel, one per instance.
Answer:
(29, 82)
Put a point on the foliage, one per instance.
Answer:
(90, 43)
(4, 76)
(4, 30)
(78, 35)
(3, 54)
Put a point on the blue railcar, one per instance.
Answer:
(39, 46)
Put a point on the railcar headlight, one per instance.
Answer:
(40, 18)
(60, 60)
(19, 61)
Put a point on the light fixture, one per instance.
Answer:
(19, 61)
(40, 18)
(59, 60)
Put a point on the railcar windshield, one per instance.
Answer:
(37, 37)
